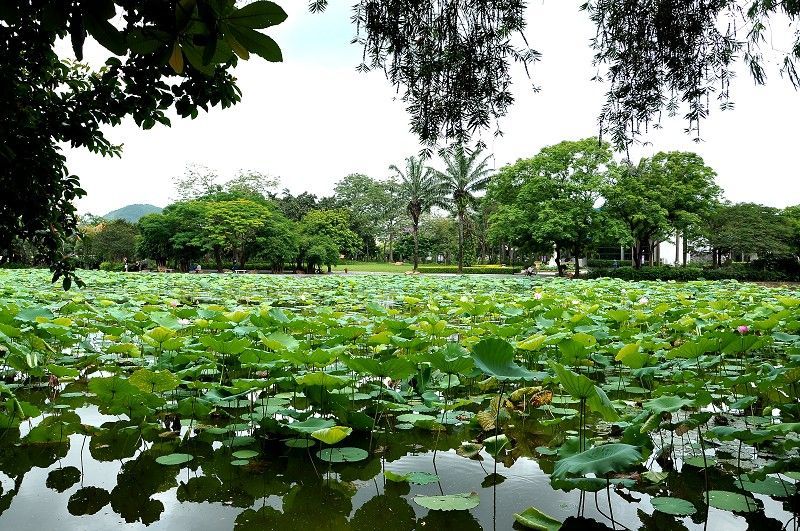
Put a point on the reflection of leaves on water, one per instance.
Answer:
(136, 483)
(393, 510)
(115, 440)
(449, 520)
(63, 478)
(88, 500)
(661, 521)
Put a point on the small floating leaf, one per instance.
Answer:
(245, 454)
(452, 502)
(674, 506)
(342, 455)
(174, 459)
(731, 501)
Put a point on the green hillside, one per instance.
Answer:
(132, 213)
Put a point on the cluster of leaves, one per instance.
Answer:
(298, 363)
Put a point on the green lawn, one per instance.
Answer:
(374, 267)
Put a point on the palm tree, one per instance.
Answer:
(463, 177)
(422, 189)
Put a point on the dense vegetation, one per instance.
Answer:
(450, 62)
(570, 201)
(338, 396)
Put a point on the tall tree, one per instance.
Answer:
(232, 226)
(689, 192)
(742, 229)
(465, 175)
(421, 189)
(556, 195)
(633, 198)
(333, 224)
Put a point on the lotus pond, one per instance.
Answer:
(397, 402)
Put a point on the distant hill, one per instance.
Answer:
(132, 213)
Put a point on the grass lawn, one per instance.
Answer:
(374, 267)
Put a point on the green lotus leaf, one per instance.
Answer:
(769, 486)
(332, 435)
(600, 460)
(495, 357)
(674, 506)
(245, 454)
(451, 502)
(174, 459)
(669, 404)
(731, 501)
(533, 518)
(300, 443)
(345, 454)
(495, 445)
(323, 379)
(310, 425)
(154, 382)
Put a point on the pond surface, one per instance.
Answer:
(179, 402)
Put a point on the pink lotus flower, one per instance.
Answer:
(644, 300)
(743, 329)
(173, 303)
(537, 295)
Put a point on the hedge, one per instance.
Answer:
(605, 264)
(481, 270)
(684, 274)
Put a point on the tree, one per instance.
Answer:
(334, 224)
(232, 226)
(108, 241)
(277, 242)
(744, 229)
(558, 197)
(464, 176)
(155, 232)
(632, 197)
(689, 192)
(420, 189)
(295, 207)
(372, 207)
(166, 55)
(443, 235)
(319, 249)
(668, 192)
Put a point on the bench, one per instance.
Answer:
(240, 271)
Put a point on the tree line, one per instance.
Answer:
(571, 200)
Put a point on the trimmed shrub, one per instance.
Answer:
(473, 270)
(600, 263)
(112, 266)
(685, 274)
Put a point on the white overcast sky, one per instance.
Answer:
(313, 119)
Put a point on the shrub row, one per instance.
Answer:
(605, 264)
(738, 272)
(482, 270)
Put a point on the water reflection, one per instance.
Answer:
(105, 473)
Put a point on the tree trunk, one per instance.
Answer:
(460, 244)
(577, 263)
(415, 230)
(391, 244)
(637, 255)
(685, 250)
(677, 246)
(218, 257)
